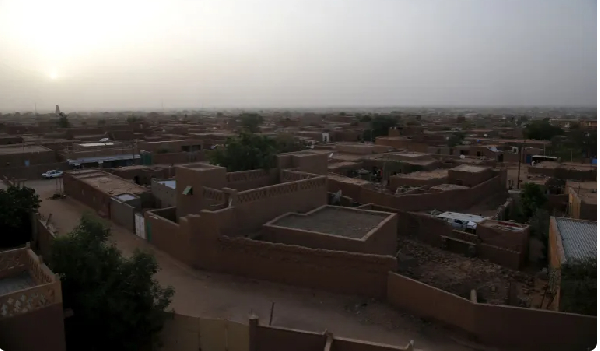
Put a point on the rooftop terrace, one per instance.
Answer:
(24, 278)
(15, 150)
(338, 221)
(108, 183)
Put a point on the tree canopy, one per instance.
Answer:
(539, 224)
(251, 122)
(532, 198)
(542, 130)
(63, 121)
(246, 152)
(456, 139)
(288, 143)
(578, 292)
(380, 126)
(364, 118)
(17, 204)
(116, 302)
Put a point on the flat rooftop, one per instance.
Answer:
(469, 168)
(436, 174)
(444, 187)
(565, 165)
(16, 282)
(340, 178)
(332, 220)
(343, 164)
(108, 183)
(96, 144)
(409, 154)
(28, 149)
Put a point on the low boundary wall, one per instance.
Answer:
(507, 326)
(453, 200)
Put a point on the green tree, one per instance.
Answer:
(532, 198)
(116, 302)
(17, 204)
(542, 130)
(364, 118)
(380, 126)
(288, 143)
(522, 120)
(583, 141)
(539, 224)
(466, 125)
(456, 139)
(63, 121)
(246, 152)
(578, 293)
(251, 122)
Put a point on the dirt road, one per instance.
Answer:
(214, 295)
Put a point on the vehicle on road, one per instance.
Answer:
(52, 174)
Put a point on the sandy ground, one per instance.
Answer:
(214, 295)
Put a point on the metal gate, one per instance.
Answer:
(140, 228)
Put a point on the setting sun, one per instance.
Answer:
(53, 75)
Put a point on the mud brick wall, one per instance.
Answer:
(335, 271)
(251, 179)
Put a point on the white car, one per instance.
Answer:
(52, 174)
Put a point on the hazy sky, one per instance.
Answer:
(129, 54)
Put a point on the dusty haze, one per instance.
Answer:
(295, 53)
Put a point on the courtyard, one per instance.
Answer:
(212, 295)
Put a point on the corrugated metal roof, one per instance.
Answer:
(578, 238)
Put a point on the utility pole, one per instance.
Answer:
(519, 169)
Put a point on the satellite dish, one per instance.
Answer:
(331, 155)
(485, 135)
(312, 146)
(462, 156)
